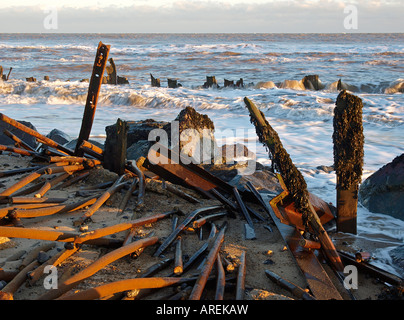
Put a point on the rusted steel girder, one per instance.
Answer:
(175, 168)
(35, 134)
(94, 87)
(96, 266)
(123, 285)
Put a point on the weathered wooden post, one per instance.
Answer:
(210, 82)
(111, 71)
(173, 83)
(294, 181)
(348, 141)
(115, 147)
(92, 95)
(154, 81)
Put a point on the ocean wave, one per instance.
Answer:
(383, 62)
(396, 87)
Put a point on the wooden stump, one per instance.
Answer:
(312, 82)
(173, 83)
(112, 77)
(154, 81)
(210, 82)
(348, 141)
(115, 147)
(228, 83)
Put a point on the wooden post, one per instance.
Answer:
(111, 71)
(348, 141)
(294, 181)
(210, 82)
(115, 147)
(154, 82)
(92, 95)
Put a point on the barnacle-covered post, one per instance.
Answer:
(348, 141)
(293, 180)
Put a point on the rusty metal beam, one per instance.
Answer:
(18, 142)
(240, 287)
(221, 279)
(94, 87)
(211, 258)
(35, 134)
(102, 232)
(96, 266)
(174, 167)
(291, 287)
(118, 184)
(122, 285)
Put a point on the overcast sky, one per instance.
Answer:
(196, 16)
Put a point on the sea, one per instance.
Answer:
(370, 65)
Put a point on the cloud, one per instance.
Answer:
(211, 16)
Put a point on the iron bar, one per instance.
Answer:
(35, 134)
(96, 266)
(294, 289)
(203, 277)
(182, 226)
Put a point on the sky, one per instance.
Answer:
(201, 16)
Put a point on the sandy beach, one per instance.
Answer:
(266, 252)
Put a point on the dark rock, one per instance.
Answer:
(312, 82)
(138, 136)
(234, 151)
(59, 136)
(139, 130)
(122, 80)
(194, 130)
(383, 191)
(42, 257)
(201, 132)
(138, 149)
(240, 173)
(72, 144)
(20, 134)
(173, 84)
(46, 78)
(31, 79)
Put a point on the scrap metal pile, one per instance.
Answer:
(212, 205)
